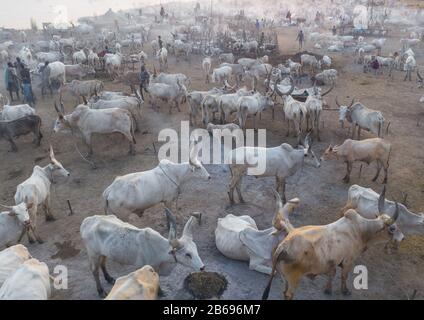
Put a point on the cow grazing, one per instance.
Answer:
(368, 150)
(22, 126)
(139, 191)
(365, 202)
(316, 250)
(13, 225)
(239, 238)
(104, 121)
(107, 237)
(362, 117)
(281, 162)
(142, 284)
(11, 259)
(31, 281)
(35, 191)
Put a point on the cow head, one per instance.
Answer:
(306, 145)
(344, 111)
(281, 220)
(184, 250)
(21, 212)
(390, 222)
(56, 167)
(196, 166)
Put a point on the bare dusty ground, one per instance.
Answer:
(322, 193)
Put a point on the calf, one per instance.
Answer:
(22, 126)
(368, 150)
(10, 113)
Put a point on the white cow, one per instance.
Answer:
(239, 238)
(206, 67)
(31, 281)
(13, 224)
(139, 191)
(11, 259)
(107, 237)
(35, 191)
(10, 113)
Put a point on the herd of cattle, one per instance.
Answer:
(366, 219)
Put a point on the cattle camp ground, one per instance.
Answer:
(189, 37)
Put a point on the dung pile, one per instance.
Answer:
(205, 285)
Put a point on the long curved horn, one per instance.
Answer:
(193, 154)
(188, 228)
(327, 92)
(284, 93)
(396, 214)
(337, 102)
(7, 207)
(351, 104)
(418, 75)
(56, 108)
(172, 226)
(51, 153)
(381, 200)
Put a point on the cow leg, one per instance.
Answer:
(378, 170)
(95, 264)
(13, 145)
(281, 188)
(256, 264)
(106, 274)
(235, 177)
(349, 169)
(288, 128)
(386, 171)
(238, 188)
(36, 235)
(87, 140)
(344, 276)
(329, 286)
(359, 132)
(292, 281)
(47, 209)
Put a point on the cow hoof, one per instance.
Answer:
(328, 291)
(346, 292)
(102, 293)
(40, 241)
(50, 218)
(110, 280)
(31, 241)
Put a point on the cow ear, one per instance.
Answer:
(12, 213)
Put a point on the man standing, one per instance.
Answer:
(160, 43)
(300, 37)
(144, 78)
(334, 30)
(26, 87)
(11, 80)
(257, 25)
(288, 16)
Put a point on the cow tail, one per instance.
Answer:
(379, 129)
(40, 135)
(132, 128)
(106, 201)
